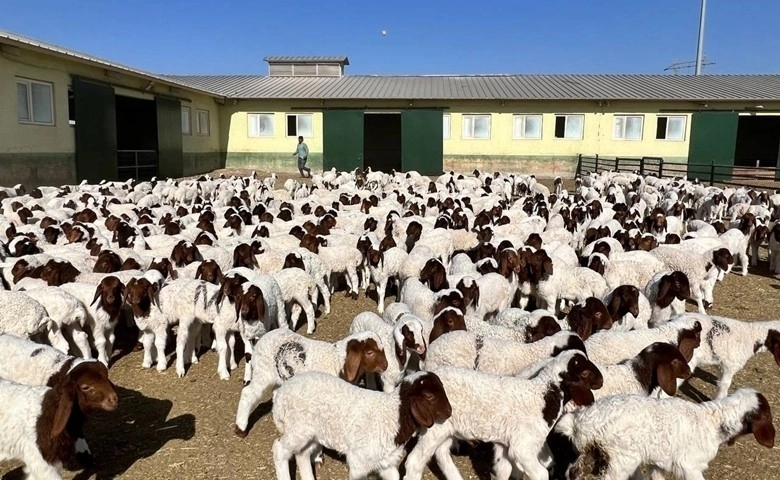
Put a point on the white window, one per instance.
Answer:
(186, 120)
(300, 124)
(569, 126)
(260, 124)
(527, 126)
(35, 102)
(203, 122)
(628, 127)
(476, 126)
(446, 125)
(670, 127)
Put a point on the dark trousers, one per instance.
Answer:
(302, 166)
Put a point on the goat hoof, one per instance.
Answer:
(240, 433)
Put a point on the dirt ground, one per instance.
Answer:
(167, 427)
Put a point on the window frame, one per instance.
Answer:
(273, 125)
(666, 131)
(475, 115)
(566, 116)
(297, 127)
(189, 121)
(29, 82)
(447, 135)
(625, 123)
(524, 117)
(198, 131)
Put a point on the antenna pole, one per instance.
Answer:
(700, 45)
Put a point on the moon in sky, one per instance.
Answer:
(384, 33)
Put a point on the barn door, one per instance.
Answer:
(422, 143)
(169, 149)
(95, 130)
(713, 140)
(343, 140)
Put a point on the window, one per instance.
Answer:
(260, 124)
(569, 126)
(299, 124)
(203, 122)
(627, 127)
(670, 128)
(446, 126)
(35, 102)
(527, 126)
(476, 126)
(186, 121)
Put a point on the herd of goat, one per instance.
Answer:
(550, 324)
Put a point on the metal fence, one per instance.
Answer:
(138, 164)
(714, 174)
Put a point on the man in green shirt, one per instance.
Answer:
(302, 152)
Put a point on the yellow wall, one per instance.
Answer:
(235, 133)
(597, 132)
(60, 138)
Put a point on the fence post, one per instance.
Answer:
(661, 169)
(712, 173)
(642, 166)
(596, 168)
(579, 164)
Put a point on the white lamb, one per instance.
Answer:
(522, 412)
(307, 420)
(495, 355)
(617, 428)
(572, 284)
(67, 312)
(282, 354)
(24, 317)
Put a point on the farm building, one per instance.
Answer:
(78, 117)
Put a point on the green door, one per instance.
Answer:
(713, 140)
(169, 150)
(342, 145)
(95, 131)
(422, 141)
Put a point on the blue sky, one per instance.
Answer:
(424, 36)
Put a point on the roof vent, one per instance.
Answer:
(291, 66)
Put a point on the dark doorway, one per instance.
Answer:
(382, 141)
(758, 140)
(136, 134)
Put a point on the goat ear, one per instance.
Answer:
(236, 256)
(421, 411)
(664, 299)
(665, 377)
(154, 290)
(687, 345)
(762, 427)
(260, 307)
(400, 353)
(98, 291)
(61, 415)
(132, 282)
(352, 361)
(614, 306)
(199, 272)
(198, 255)
(176, 255)
(548, 267)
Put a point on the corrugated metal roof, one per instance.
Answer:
(496, 87)
(15, 39)
(307, 59)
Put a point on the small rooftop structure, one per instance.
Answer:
(306, 66)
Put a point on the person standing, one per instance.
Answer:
(302, 152)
